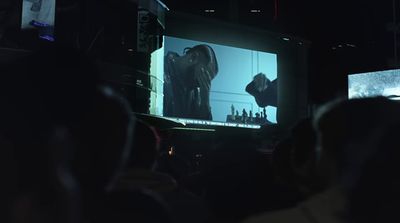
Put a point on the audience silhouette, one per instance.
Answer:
(342, 127)
(374, 195)
(73, 151)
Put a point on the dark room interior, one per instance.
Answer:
(206, 111)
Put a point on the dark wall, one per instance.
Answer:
(293, 88)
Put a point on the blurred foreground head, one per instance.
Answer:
(146, 147)
(35, 135)
(56, 124)
(374, 197)
(344, 126)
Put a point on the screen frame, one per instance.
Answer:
(292, 53)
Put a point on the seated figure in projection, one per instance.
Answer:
(264, 90)
(187, 82)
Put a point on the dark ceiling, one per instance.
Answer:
(353, 21)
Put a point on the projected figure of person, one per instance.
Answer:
(187, 82)
(264, 90)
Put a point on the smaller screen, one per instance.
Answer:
(40, 15)
(372, 84)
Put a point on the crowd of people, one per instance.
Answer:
(72, 151)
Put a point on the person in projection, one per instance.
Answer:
(187, 82)
(263, 90)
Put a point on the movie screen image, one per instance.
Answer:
(40, 15)
(205, 83)
(380, 83)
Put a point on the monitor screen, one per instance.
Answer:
(379, 83)
(203, 83)
(40, 15)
